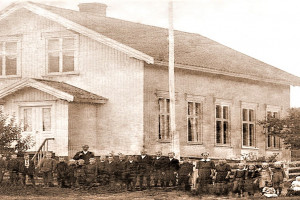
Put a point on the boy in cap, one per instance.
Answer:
(71, 173)
(47, 167)
(102, 171)
(3, 166)
(91, 172)
(13, 166)
(111, 168)
(121, 165)
(80, 174)
(85, 154)
(62, 170)
(184, 174)
(27, 168)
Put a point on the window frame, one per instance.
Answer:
(165, 115)
(272, 110)
(60, 38)
(223, 103)
(3, 54)
(195, 99)
(248, 107)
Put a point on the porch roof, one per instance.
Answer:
(60, 90)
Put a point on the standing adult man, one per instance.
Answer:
(159, 169)
(3, 166)
(206, 169)
(27, 168)
(172, 169)
(144, 168)
(85, 154)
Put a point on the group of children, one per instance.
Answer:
(250, 179)
(124, 172)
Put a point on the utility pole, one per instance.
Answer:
(174, 135)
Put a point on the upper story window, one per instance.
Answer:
(273, 142)
(9, 58)
(222, 124)
(62, 55)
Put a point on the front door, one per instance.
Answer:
(37, 122)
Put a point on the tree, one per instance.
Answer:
(287, 128)
(11, 138)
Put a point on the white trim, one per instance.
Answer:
(248, 105)
(194, 98)
(35, 84)
(88, 32)
(164, 94)
(232, 74)
(273, 108)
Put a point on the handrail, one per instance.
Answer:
(40, 148)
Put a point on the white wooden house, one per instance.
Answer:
(83, 78)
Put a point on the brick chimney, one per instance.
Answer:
(93, 8)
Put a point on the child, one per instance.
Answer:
(102, 172)
(131, 173)
(265, 175)
(61, 168)
(120, 174)
(277, 177)
(13, 168)
(223, 171)
(47, 167)
(295, 187)
(251, 180)
(80, 174)
(91, 172)
(71, 170)
(27, 168)
(111, 167)
(3, 166)
(269, 191)
(238, 180)
(184, 173)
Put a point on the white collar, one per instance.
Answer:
(157, 157)
(85, 152)
(205, 160)
(143, 156)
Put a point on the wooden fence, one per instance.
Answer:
(292, 170)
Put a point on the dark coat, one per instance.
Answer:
(3, 164)
(86, 157)
(13, 165)
(160, 164)
(102, 167)
(185, 169)
(62, 169)
(30, 170)
(131, 168)
(173, 165)
(144, 164)
(111, 168)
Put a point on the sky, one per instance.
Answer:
(267, 30)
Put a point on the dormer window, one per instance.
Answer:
(9, 58)
(61, 55)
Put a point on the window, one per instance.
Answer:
(248, 117)
(61, 54)
(194, 122)
(9, 58)
(27, 118)
(273, 142)
(164, 119)
(222, 124)
(46, 113)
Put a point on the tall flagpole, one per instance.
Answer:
(174, 135)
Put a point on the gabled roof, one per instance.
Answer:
(60, 90)
(192, 51)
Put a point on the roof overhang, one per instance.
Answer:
(78, 28)
(37, 85)
(231, 74)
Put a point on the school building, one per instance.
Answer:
(81, 77)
